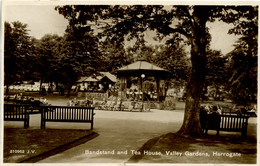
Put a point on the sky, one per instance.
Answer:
(44, 19)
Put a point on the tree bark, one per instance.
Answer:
(191, 123)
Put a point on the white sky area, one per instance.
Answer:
(44, 19)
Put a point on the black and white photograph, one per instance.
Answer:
(129, 83)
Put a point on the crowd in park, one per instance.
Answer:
(20, 98)
(76, 102)
(210, 109)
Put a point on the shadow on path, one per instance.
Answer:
(174, 148)
(147, 146)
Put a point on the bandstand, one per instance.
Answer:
(141, 69)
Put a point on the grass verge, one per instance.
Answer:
(32, 145)
(207, 149)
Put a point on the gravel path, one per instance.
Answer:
(124, 132)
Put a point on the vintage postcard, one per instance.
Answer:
(129, 82)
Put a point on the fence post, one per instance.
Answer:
(42, 119)
(27, 117)
(92, 120)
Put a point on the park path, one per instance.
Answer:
(118, 131)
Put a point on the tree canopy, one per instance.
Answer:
(120, 21)
(17, 49)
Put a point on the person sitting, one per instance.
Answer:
(70, 103)
(219, 110)
(253, 111)
(208, 108)
(31, 99)
(41, 99)
(214, 120)
(19, 96)
(203, 118)
(45, 101)
(87, 102)
(236, 110)
(75, 101)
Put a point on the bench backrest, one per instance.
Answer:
(67, 114)
(16, 111)
(233, 122)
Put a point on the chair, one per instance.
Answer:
(128, 106)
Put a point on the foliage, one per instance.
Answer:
(217, 74)
(44, 57)
(243, 77)
(17, 48)
(77, 54)
(113, 56)
(173, 58)
(189, 22)
(243, 59)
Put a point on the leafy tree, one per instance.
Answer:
(77, 54)
(113, 56)
(17, 48)
(217, 75)
(244, 60)
(189, 22)
(44, 57)
(172, 57)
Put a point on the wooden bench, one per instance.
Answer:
(17, 112)
(232, 123)
(66, 114)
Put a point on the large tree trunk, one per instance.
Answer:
(191, 123)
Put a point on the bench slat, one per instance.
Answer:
(230, 123)
(17, 112)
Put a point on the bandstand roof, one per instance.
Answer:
(141, 67)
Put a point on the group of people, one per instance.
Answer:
(213, 109)
(75, 102)
(20, 97)
(246, 110)
(210, 117)
(235, 109)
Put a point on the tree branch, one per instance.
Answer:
(175, 30)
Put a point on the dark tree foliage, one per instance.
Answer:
(217, 74)
(119, 22)
(113, 56)
(44, 58)
(243, 59)
(77, 54)
(17, 49)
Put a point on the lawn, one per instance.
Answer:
(208, 149)
(36, 144)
